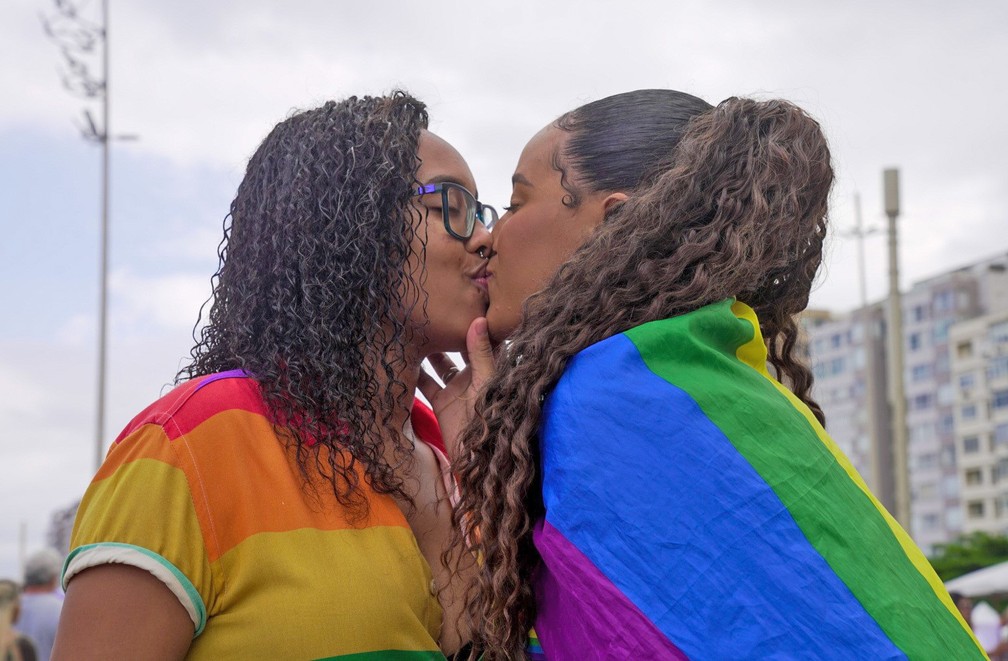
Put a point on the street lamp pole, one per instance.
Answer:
(868, 347)
(78, 37)
(897, 395)
(103, 287)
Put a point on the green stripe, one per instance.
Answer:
(387, 655)
(190, 589)
(696, 352)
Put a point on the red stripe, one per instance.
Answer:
(188, 412)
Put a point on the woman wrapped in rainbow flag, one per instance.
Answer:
(637, 482)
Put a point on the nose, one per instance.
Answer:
(480, 240)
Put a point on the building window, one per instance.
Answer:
(1001, 434)
(975, 509)
(967, 380)
(920, 312)
(948, 460)
(923, 401)
(968, 412)
(836, 340)
(974, 477)
(1000, 399)
(922, 432)
(946, 396)
(964, 349)
(921, 372)
(946, 425)
(998, 333)
(944, 301)
(940, 332)
(914, 341)
(997, 368)
(971, 444)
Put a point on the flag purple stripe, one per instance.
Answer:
(230, 374)
(568, 580)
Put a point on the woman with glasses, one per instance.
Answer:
(288, 499)
(635, 481)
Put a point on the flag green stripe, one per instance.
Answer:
(388, 655)
(772, 435)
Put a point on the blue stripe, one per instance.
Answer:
(649, 489)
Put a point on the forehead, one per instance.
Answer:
(439, 161)
(536, 159)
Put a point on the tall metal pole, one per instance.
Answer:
(897, 395)
(103, 287)
(868, 346)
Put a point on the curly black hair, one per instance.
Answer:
(316, 282)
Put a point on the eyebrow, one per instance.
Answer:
(441, 179)
(521, 179)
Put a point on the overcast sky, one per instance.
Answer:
(907, 84)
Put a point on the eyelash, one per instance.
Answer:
(509, 209)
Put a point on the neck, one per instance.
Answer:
(407, 374)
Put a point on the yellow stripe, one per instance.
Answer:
(323, 593)
(753, 353)
(146, 503)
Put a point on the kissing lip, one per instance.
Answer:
(479, 277)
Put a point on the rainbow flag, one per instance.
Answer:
(696, 509)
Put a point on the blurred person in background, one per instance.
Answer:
(40, 602)
(289, 499)
(14, 645)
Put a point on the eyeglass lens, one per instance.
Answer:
(459, 211)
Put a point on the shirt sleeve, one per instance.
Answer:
(139, 510)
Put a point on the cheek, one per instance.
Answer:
(530, 253)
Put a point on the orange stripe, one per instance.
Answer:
(245, 472)
(146, 442)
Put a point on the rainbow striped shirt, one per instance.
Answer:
(199, 491)
(696, 509)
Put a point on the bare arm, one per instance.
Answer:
(121, 612)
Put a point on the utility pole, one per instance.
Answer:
(868, 346)
(78, 37)
(897, 395)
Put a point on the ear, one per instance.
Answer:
(612, 201)
(593, 210)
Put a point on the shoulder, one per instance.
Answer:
(196, 401)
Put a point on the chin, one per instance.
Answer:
(500, 326)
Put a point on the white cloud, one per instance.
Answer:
(141, 303)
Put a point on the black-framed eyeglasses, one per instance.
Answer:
(460, 209)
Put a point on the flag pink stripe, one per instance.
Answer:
(567, 582)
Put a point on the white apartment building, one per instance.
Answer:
(857, 407)
(845, 350)
(980, 373)
(930, 309)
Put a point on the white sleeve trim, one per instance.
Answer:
(103, 553)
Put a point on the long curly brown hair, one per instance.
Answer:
(740, 211)
(315, 285)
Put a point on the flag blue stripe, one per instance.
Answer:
(656, 496)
